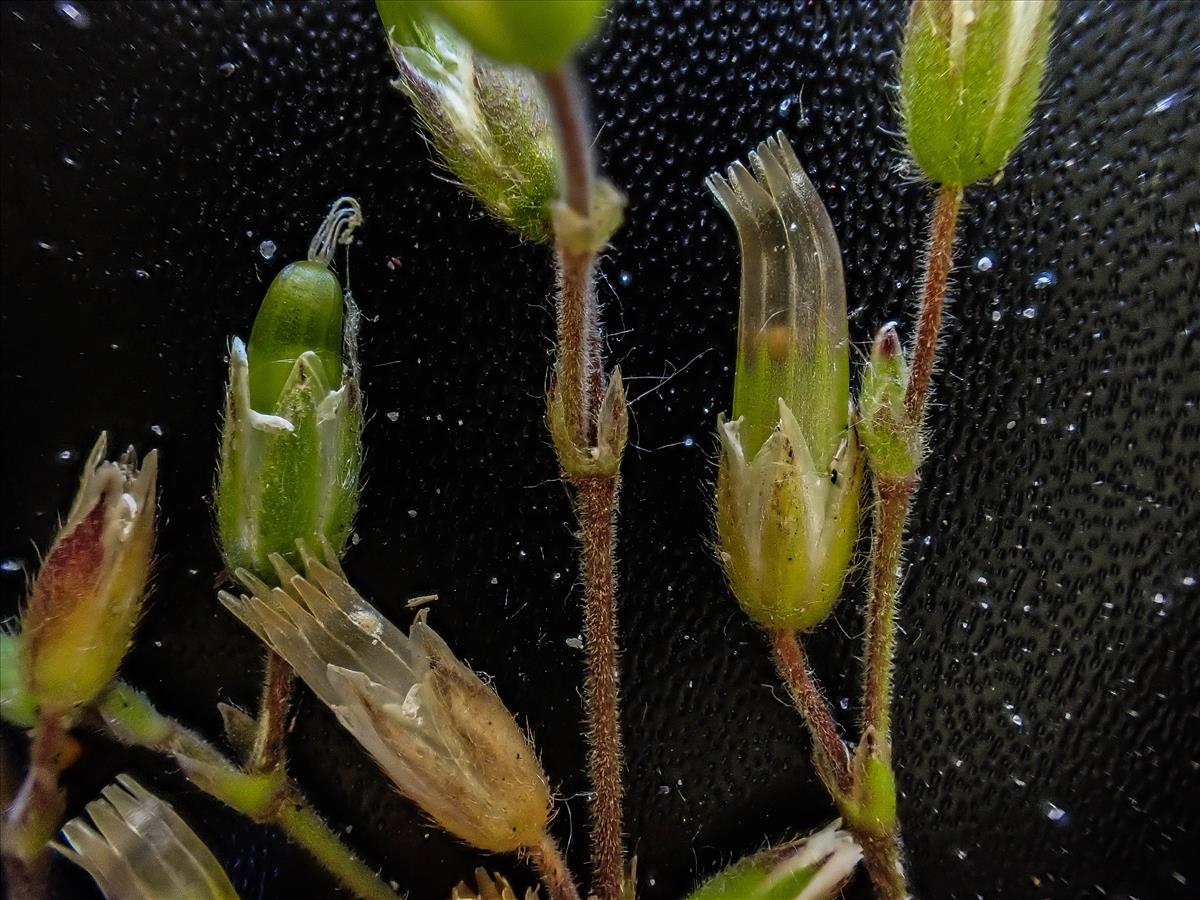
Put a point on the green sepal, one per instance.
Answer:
(812, 868)
(970, 74)
(786, 528)
(538, 34)
(488, 123)
(293, 472)
(17, 705)
(870, 808)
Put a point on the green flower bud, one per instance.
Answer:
(892, 442)
(791, 476)
(812, 868)
(969, 77)
(537, 34)
(291, 448)
(489, 124)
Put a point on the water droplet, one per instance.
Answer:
(12, 565)
(625, 278)
(785, 104)
(1044, 279)
(141, 274)
(689, 441)
(73, 14)
(1017, 720)
(1053, 813)
(1030, 312)
(1189, 580)
(412, 513)
(997, 315)
(65, 456)
(227, 68)
(70, 162)
(985, 261)
(664, 790)
(267, 249)
(1167, 102)
(156, 430)
(393, 416)
(575, 643)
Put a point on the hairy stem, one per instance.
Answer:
(579, 387)
(881, 857)
(939, 260)
(36, 811)
(129, 717)
(306, 827)
(806, 694)
(553, 870)
(596, 499)
(892, 499)
(274, 706)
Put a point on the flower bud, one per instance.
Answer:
(441, 734)
(537, 34)
(291, 448)
(89, 592)
(488, 123)
(892, 442)
(790, 476)
(969, 77)
(812, 868)
(136, 846)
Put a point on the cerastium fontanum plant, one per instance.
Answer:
(495, 91)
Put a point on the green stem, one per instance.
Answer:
(269, 798)
(304, 826)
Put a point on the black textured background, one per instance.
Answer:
(1052, 644)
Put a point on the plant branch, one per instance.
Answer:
(269, 798)
(279, 682)
(36, 811)
(809, 699)
(578, 391)
(553, 870)
(940, 258)
(881, 858)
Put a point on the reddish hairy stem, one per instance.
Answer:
(881, 857)
(596, 501)
(274, 706)
(553, 870)
(36, 812)
(793, 668)
(933, 299)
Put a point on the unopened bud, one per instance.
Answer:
(892, 442)
(89, 592)
(969, 77)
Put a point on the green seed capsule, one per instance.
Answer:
(292, 443)
(302, 312)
